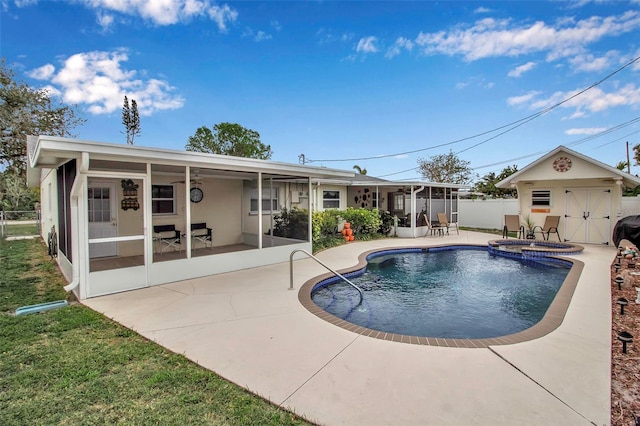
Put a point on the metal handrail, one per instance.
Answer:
(321, 263)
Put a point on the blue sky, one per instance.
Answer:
(389, 81)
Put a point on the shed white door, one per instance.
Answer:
(102, 218)
(588, 215)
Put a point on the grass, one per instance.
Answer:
(75, 366)
(19, 229)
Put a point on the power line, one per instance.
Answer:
(510, 126)
(538, 153)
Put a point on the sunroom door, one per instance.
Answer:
(103, 221)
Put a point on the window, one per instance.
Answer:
(330, 199)
(398, 201)
(541, 198)
(374, 200)
(270, 201)
(163, 199)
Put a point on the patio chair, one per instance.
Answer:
(200, 232)
(432, 228)
(167, 237)
(550, 227)
(444, 221)
(512, 224)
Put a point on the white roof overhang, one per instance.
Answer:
(50, 152)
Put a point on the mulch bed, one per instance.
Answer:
(625, 368)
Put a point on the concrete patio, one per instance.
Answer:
(249, 328)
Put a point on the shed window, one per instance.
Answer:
(541, 198)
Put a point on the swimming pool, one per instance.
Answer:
(447, 295)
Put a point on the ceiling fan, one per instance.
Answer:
(194, 178)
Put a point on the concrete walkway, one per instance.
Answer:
(249, 328)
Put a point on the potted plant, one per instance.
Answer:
(529, 225)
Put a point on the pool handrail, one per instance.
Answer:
(321, 263)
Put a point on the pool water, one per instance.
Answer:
(454, 293)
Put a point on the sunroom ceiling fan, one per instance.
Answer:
(194, 178)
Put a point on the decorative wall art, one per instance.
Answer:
(130, 194)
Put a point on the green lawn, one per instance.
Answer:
(74, 366)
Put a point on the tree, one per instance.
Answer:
(28, 111)
(360, 170)
(487, 184)
(445, 168)
(14, 194)
(131, 119)
(229, 139)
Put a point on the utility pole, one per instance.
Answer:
(628, 162)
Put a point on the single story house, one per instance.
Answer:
(128, 217)
(584, 192)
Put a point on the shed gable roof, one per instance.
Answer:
(587, 168)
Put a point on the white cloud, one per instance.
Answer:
(326, 36)
(518, 71)
(482, 10)
(105, 20)
(166, 12)
(42, 73)
(262, 36)
(395, 50)
(585, 131)
(494, 38)
(518, 100)
(275, 25)
(590, 63)
(97, 80)
(593, 100)
(367, 45)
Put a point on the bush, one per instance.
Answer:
(363, 222)
(386, 224)
(292, 223)
(325, 224)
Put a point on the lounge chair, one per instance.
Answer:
(444, 222)
(200, 232)
(167, 236)
(550, 227)
(512, 224)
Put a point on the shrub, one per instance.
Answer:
(364, 222)
(386, 224)
(292, 223)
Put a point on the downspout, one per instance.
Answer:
(413, 209)
(76, 190)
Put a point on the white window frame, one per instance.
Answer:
(326, 200)
(540, 198)
(172, 199)
(275, 201)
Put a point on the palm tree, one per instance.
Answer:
(360, 170)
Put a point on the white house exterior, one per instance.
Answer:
(105, 201)
(585, 193)
(405, 200)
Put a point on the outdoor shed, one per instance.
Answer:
(584, 192)
(125, 217)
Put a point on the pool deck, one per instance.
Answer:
(249, 328)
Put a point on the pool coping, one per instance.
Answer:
(552, 319)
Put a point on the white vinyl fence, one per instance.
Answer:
(485, 214)
(489, 214)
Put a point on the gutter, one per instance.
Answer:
(76, 190)
(413, 210)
